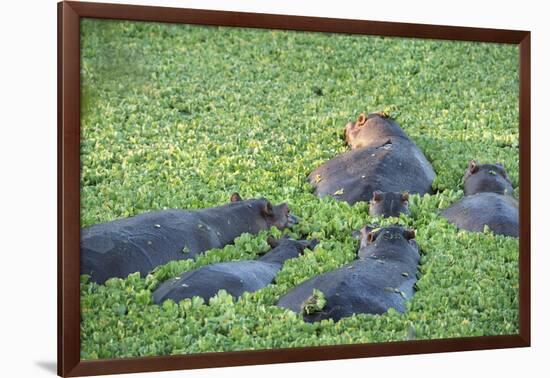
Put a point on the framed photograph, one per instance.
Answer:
(239, 188)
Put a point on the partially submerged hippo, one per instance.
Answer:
(389, 204)
(382, 277)
(483, 178)
(382, 158)
(143, 242)
(488, 201)
(235, 277)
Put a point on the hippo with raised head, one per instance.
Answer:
(382, 157)
(143, 242)
(235, 277)
(381, 278)
(488, 201)
(389, 204)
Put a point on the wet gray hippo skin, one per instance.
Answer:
(488, 201)
(382, 277)
(143, 242)
(235, 277)
(382, 158)
(389, 204)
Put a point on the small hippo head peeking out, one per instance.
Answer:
(389, 204)
(492, 178)
(287, 241)
(273, 215)
(386, 242)
(286, 248)
(376, 128)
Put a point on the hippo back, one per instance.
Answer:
(140, 243)
(365, 286)
(497, 211)
(143, 242)
(235, 277)
(396, 165)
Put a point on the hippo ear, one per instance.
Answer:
(363, 232)
(371, 237)
(405, 196)
(377, 196)
(409, 233)
(267, 209)
(236, 197)
(473, 166)
(272, 241)
(361, 119)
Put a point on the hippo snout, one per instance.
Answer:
(292, 220)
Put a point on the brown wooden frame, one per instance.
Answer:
(69, 14)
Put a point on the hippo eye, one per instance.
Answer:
(387, 236)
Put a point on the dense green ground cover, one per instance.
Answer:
(180, 117)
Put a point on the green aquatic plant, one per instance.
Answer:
(177, 116)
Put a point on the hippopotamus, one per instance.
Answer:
(381, 278)
(484, 178)
(235, 277)
(143, 242)
(389, 204)
(382, 157)
(488, 201)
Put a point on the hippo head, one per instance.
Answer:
(285, 248)
(486, 178)
(389, 204)
(291, 247)
(273, 215)
(374, 128)
(381, 242)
